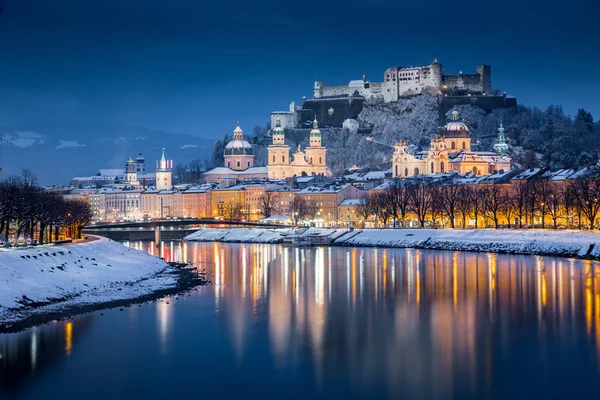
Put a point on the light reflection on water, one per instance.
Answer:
(347, 322)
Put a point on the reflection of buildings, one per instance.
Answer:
(420, 321)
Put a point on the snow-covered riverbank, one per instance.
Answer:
(50, 279)
(540, 242)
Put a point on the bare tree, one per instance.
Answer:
(586, 192)
(449, 201)
(492, 202)
(266, 204)
(419, 199)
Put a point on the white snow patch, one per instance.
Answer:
(63, 144)
(189, 146)
(92, 272)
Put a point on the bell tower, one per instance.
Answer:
(315, 152)
(131, 173)
(278, 154)
(164, 173)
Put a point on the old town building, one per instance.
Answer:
(450, 151)
(311, 161)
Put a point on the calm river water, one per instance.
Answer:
(282, 322)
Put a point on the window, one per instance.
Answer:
(416, 171)
(273, 158)
(442, 167)
(405, 171)
(248, 164)
(228, 164)
(453, 145)
(475, 170)
(464, 145)
(238, 164)
(396, 174)
(283, 158)
(320, 160)
(432, 167)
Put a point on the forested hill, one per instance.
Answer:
(536, 137)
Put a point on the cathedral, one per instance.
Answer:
(450, 151)
(311, 161)
(238, 160)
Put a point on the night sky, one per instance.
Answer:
(195, 66)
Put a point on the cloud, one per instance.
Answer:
(23, 139)
(63, 144)
(189, 146)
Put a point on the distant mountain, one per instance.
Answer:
(58, 150)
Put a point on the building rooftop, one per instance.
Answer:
(323, 189)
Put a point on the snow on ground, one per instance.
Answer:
(542, 242)
(236, 235)
(98, 271)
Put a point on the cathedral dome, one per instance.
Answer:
(455, 128)
(238, 145)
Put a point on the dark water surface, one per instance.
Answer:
(283, 322)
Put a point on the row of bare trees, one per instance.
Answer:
(522, 204)
(26, 209)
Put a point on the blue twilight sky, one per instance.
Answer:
(195, 66)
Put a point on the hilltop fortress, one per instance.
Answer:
(408, 81)
(334, 105)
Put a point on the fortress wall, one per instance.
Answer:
(288, 119)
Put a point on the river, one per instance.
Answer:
(281, 322)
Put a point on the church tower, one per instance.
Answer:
(315, 152)
(501, 147)
(163, 173)
(130, 173)
(140, 164)
(278, 153)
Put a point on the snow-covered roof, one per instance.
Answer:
(351, 202)
(111, 171)
(356, 82)
(528, 173)
(253, 170)
(237, 144)
(323, 189)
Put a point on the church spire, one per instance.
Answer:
(278, 132)
(501, 147)
(315, 134)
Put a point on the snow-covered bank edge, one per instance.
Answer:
(51, 282)
(531, 242)
(574, 244)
